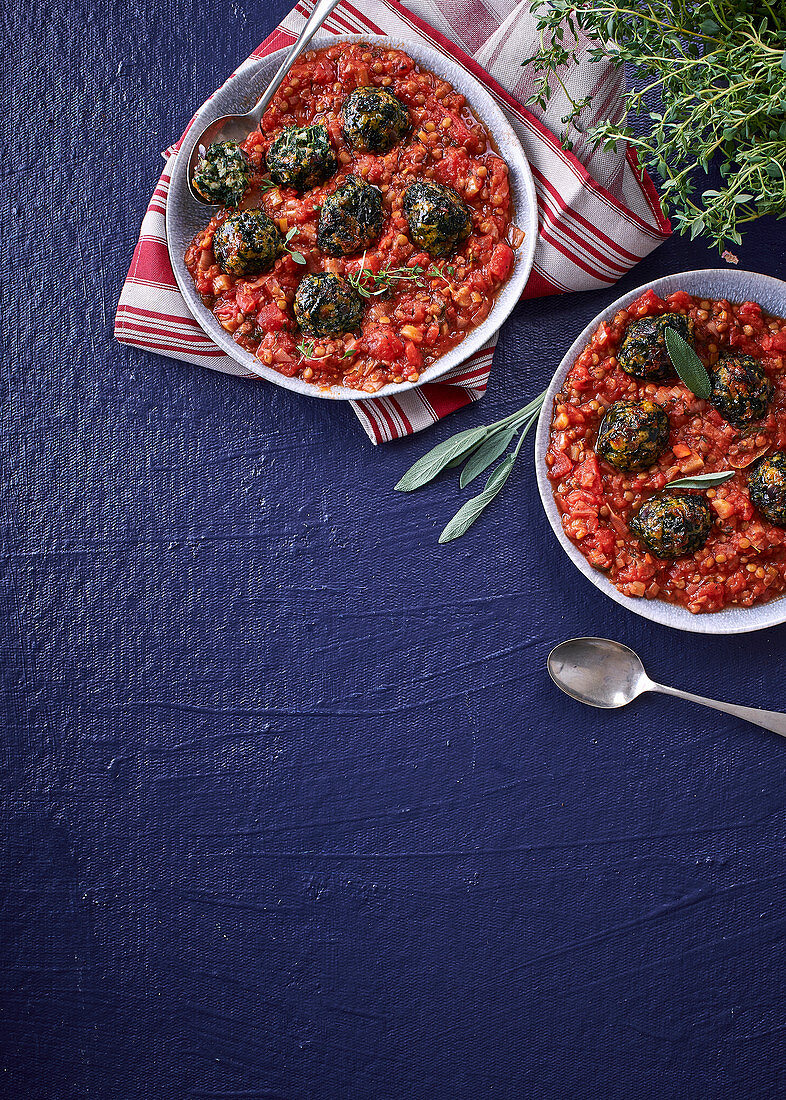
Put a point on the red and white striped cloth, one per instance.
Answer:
(599, 214)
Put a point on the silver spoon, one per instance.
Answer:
(238, 127)
(607, 674)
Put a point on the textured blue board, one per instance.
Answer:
(290, 808)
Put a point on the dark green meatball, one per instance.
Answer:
(643, 352)
(326, 305)
(222, 174)
(438, 218)
(373, 120)
(633, 435)
(741, 390)
(673, 525)
(247, 243)
(301, 157)
(767, 487)
(351, 218)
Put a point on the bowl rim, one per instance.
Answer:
(731, 621)
(487, 110)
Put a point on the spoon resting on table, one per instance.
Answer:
(607, 674)
(238, 127)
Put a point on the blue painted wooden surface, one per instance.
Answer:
(290, 808)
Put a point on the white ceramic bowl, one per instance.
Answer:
(736, 286)
(185, 216)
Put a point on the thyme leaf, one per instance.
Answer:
(370, 284)
(298, 257)
(306, 348)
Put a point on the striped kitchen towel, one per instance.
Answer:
(599, 213)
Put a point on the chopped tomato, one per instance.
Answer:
(383, 343)
(271, 319)
(501, 262)
(414, 358)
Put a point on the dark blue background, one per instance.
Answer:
(290, 807)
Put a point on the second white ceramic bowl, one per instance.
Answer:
(736, 286)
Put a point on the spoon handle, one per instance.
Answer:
(768, 719)
(322, 10)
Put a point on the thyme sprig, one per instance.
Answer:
(476, 449)
(719, 70)
(370, 284)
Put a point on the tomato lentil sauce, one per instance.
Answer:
(418, 320)
(743, 561)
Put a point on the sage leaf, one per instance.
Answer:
(435, 460)
(464, 456)
(488, 452)
(469, 512)
(688, 365)
(702, 481)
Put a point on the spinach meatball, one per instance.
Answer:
(326, 305)
(373, 120)
(673, 525)
(351, 218)
(643, 352)
(301, 157)
(741, 390)
(767, 487)
(247, 243)
(439, 221)
(222, 174)
(633, 435)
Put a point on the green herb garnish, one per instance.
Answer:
(435, 460)
(487, 453)
(298, 257)
(702, 481)
(479, 448)
(469, 512)
(715, 71)
(306, 348)
(370, 285)
(688, 365)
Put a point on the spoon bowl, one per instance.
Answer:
(229, 128)
(598, 672)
